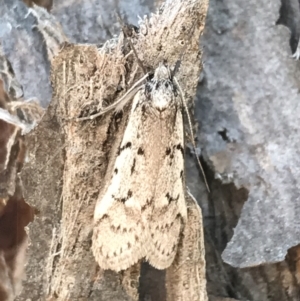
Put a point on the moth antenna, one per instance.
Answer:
(126, 97)
(125, 30)
(192, 134)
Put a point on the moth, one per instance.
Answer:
(141, 212)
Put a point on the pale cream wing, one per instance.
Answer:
(169, 208)
(121, 235)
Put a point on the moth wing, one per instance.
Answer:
(118, 238)
(121, 236)
(169, 208)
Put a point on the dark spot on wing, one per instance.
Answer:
(118, 229)
(181, 174)
(179, 147)
(168, 151)
(127, 145)
(140, 151)
(132, 167)
(171, 199)
(123, 199)
(148, 204)
(116, 170)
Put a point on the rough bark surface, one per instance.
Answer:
(24, 47)
(253, 118)
(247, 105)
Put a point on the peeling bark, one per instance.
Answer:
(15, 213)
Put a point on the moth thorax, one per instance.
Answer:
(162, 98)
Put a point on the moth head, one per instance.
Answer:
(162, 73)
(161, 88)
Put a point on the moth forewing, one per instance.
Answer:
(119, 238)
(141, 212)
(169, 209)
